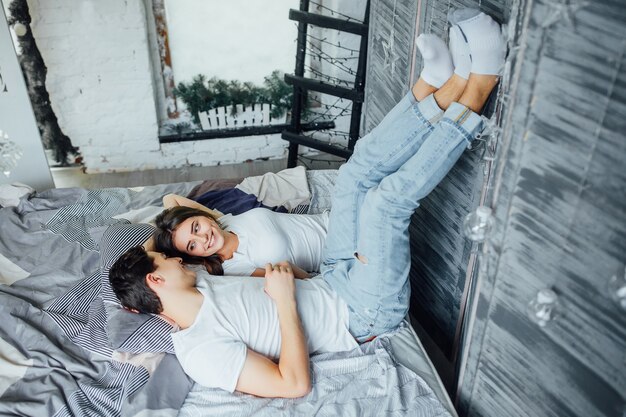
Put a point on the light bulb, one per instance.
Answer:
(10, 154)
(543, 308)
(478, 224)
(617, 289)
(20, 29)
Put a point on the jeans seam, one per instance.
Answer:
(461, 117)
(464, 133)
(356, 210)
(423, 119)
(382, 265)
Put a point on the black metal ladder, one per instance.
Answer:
(301, 84)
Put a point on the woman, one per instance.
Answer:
(244, 243)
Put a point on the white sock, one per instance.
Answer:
(459, 49)
(438, 67)
(486, 43)
(458, 15)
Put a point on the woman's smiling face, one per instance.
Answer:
(198, 236)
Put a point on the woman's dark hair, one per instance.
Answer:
(167, 222)
(128, 280)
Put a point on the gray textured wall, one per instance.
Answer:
(560, 201)
(558, 189)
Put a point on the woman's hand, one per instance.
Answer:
(174, 200)
(298, 272)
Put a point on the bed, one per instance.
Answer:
(60, 355)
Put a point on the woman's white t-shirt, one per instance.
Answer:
(266, 236)
(236, 314)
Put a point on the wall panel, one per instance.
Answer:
(558, 188)
(560, 204)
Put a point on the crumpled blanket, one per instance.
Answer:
(286, 189)
(365, 382)
(55, 359)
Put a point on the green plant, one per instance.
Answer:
(202, 94)
(278, 93)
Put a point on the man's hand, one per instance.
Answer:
(291, 376)
(279, 282)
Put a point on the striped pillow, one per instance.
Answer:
(127, 331)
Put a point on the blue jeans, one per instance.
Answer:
(392, 168)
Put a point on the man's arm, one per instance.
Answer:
(290, 378)
(173, 200)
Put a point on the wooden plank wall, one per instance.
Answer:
(560, 204)
(390, 44)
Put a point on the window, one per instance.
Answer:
(240, 42)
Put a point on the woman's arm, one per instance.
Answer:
(298, 272)
(173, 200)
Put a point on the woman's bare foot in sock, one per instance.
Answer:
(487, 49)
(421, 89)
(485, 40)
(437, 68)
(477, 91)
(451, 91)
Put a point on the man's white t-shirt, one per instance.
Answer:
(266, 236)
(236, 314)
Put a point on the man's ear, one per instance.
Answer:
(153, 279)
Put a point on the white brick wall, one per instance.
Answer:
(102, 89)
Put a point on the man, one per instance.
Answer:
(255, 335)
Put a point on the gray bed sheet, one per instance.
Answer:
(390, 376)
(55, 357)
(409, 352)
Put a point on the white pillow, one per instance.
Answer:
(10, 194)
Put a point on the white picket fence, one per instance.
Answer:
(254, 115)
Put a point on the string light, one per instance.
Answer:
(20, 29)
(617, 288)
(544, 307)
(315, 51)
(10, 154)
(478, 224)
(335, 12)
(324, 77)
(337, 45)
(332, 63)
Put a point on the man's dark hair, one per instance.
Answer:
(128, 280)
(166, 223)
